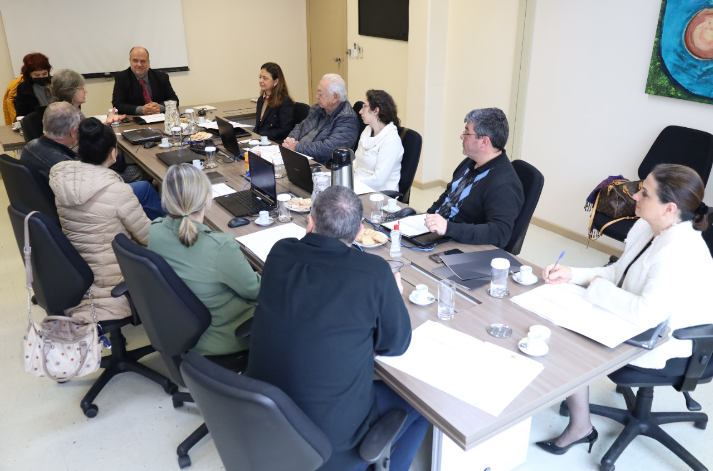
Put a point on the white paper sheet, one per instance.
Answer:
(269, 153)
(261, 242)
(205, 107)
(566, 306)
(479, 373)
(214, 125)
(221, 189)
(362, 188)
(153, 118)
(411, 226)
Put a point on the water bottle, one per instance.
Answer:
(395, 250)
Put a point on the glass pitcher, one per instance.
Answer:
(172, 119)
(321, 181)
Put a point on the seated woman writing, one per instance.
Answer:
(379, 154)
(661, 275)
(209, 262)
(94, 205)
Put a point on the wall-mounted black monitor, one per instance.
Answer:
(384, 19)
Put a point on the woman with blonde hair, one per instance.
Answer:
(209, 262)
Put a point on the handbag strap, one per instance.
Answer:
(27, 252)
(621, 281)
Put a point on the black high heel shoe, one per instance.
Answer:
(550, 446)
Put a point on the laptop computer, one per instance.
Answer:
(229, 135)
(299, 168)
(262, 194)
(178, 156)
(141, 136)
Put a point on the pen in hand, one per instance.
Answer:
(554, 269)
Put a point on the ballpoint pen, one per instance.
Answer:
(554, 269)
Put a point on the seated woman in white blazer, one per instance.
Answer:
(378, 157)
(664, 269)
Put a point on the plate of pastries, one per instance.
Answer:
(371, 238)
(300, 205)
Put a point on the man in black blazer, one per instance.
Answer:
(140, 89)
(324, 310)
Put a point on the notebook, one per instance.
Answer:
(141, 136)
(178, 156)
(229, 135)
(262, 193)
(413, 229)
(299, 168)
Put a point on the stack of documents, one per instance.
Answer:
(260, 243)
(269, 153)
(410, 226)
(566, 306)
(221, 189)
(482, 374)
(152, 118)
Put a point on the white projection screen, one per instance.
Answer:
(93, 37)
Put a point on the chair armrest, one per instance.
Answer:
(245, 329)
(119, 290)
(392, 194)
(702, 337)
(378, 440)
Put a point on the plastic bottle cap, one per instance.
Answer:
(210, 149)
(376, 197)
(500, 263)
(188, 111)
(396, 226)
(284, 197)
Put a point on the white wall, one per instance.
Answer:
(218, 73)
(586, 114)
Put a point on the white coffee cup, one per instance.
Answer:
(421, 293)
(264, 217)
(198, 164)
(392, 205)
(201, 120)
(264, 141)
(540, 332)
(526, 274)
(535, 341)
(164, 142)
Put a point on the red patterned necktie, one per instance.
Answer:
(145, 91)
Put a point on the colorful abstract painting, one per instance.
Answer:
(682, 59)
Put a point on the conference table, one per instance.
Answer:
(465, 437)
(11, 140)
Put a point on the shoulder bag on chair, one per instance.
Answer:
(616, 201)
(59, 347)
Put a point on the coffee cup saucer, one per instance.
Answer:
(391, 211)
(430, 299)
(164, 147)
(542, 348)
(264, 224)
(530, 281)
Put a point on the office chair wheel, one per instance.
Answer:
(620, 389)
(90, 411)
(176, 402)
(564, 410)
(184, 461)
(701, 425)
(171, 389)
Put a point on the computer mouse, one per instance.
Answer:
(237, 222)
(149, 145)
(126, 120)
(405, 212)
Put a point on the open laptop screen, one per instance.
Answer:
(262, 176)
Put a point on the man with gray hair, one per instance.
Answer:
(60, 125)
(485, 196)
(331, 123)
(324, 310)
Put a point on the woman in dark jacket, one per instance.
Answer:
(33, 91)
(274, 107)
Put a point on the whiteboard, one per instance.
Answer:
(95, 36)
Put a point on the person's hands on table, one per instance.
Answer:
(151, 108)
(436, 223)
(562, 275)
(290, 143)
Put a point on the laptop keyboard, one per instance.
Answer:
(254, 205)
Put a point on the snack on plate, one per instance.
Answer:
(199, 136)
(371, 237)
(300, 204)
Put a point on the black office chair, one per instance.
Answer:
(27, 187)
(708, 233)
(674, 145)
(61, 277)
(638, 419)
(357, 106)
(255, 426)
(412, 142)
(532, 183)
(300, 112)
(174, 319)
(32, 124)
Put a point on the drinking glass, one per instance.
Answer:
(446, 299)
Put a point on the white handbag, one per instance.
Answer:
(59, 347)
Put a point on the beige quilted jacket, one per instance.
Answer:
(94, 205)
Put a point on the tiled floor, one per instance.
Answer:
(42, 426)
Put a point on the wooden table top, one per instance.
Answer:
(11, 140)
(572, 363)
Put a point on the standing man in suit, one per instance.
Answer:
(139, 89)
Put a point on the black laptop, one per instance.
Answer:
(299, 168)
(229, 135)
(179, 156)
(141, 136)
(262, 194)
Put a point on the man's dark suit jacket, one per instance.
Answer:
(276, 123)
(127, 93)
